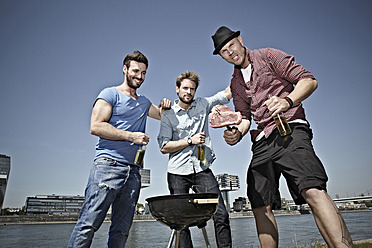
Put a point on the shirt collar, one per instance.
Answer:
(177, 108)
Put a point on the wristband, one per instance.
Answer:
(289, 100)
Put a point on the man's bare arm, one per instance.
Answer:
(100, 127)
(303, 89)
(156, 111)
(176, 145)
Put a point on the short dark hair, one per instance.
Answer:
(193, 76)
(135, 56)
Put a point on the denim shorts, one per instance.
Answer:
(291, 156)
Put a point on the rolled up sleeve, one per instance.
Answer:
(165, 133)
(217, 99)
(286, 66)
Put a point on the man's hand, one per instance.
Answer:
(276, 105)
(139, 138)
(156, 111)
(232, 136)
(198, 138)
(165, 104)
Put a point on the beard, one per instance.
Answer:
(131, 83)
(182, 99)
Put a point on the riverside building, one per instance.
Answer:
(4, 175)
(54, 204)
(66, 205)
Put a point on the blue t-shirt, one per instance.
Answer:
(127, 114)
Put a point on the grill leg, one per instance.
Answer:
(205, 237)
(171, 238)
(177, 238)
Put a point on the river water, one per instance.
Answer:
(294, 229)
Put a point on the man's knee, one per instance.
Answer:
(262, 211)
(313, 195)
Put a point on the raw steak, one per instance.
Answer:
(222, 116)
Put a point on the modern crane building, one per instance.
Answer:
(227, 183)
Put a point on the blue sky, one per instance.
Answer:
(57, 55)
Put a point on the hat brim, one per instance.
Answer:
(232, 36)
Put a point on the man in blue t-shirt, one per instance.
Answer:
(119, 120)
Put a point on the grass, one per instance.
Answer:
(363, 245)
(317, 244)
(312, 244)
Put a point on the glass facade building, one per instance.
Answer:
(66, 205)
(4, 175)
(54, 204)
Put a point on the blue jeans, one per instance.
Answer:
(202, 182)
(110, 184)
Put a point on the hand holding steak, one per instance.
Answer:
(222, 116)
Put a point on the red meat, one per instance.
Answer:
(222, 116)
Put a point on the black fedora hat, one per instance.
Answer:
(221, 37)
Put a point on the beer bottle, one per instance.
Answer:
(140, 155)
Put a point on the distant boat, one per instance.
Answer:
(304, 211)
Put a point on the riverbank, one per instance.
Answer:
(363, 241)
(55, 219)
(71, 219)
(249, 214)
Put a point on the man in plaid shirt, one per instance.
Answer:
(258, 74)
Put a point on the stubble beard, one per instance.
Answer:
(131, 84)
(184, 101)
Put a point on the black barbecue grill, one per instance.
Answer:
(183, 210)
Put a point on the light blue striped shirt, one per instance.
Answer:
(177, 124)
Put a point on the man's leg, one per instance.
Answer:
(97, 202)
(206, 183)
(124, 206)
(328, 218)
(267, 229)
(263, 189)
(178, 184)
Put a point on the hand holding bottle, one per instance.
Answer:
(199, 140)
(280, 121)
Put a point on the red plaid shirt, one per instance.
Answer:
(273, 72)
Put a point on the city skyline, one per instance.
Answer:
(58, 55)
(223, 187)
